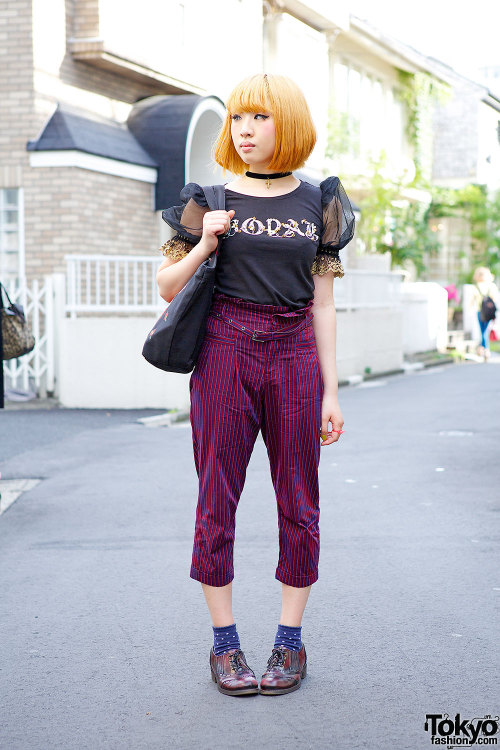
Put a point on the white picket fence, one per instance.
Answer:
(112, 283)
(34, 372)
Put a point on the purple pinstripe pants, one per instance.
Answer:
(241, 384)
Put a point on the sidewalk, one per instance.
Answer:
(105, 639)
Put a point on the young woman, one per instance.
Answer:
(268, 360)
(484, 286)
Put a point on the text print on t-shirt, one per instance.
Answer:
(274, 228)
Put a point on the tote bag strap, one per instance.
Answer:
(3, 289)
(216, 199)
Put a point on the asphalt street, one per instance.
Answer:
(104, 638)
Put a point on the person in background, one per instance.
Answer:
(484, 286)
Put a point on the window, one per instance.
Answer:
(366, 116)
(344, 126)
(11, 234)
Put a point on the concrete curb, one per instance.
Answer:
(407, 367)
(165, 420)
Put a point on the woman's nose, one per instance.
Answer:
(246, 128)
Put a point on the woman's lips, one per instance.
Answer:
(246, 147)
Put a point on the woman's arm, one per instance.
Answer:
(325, 331)
(173, 275)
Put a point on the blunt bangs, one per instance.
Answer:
(249, 98)
(283, 99)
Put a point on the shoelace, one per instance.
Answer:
(235, 661)
(277, 658)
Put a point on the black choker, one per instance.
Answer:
(267, 177)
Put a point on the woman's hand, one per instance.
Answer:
(215, 223)
(330, 412)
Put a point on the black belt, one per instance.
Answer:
(257, 335)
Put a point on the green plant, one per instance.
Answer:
(419, 92)
(482, 212)
(389, 224)
(379, 194)
(411, 237)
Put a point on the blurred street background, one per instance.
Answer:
(107, 110)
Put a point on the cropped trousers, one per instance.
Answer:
(258, 368)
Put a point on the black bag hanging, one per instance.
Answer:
(174, 342)
(2, 396)
(488, 308)
(17, 338)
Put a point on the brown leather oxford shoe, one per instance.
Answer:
(232, 674)
(285, 670)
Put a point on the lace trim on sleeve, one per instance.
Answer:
(324, 263)
(176, 248)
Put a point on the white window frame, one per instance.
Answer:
(21, 272)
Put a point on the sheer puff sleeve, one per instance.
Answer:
(338, 228)
(186, 220)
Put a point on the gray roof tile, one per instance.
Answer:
(70, 128)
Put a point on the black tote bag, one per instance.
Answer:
(173, 344)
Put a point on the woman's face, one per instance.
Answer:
(484, 275)
(254, 137)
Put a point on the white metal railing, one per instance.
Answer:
(112, 283)
(34, 370)
(117, 283)
(362, 288)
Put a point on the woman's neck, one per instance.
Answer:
(257, 187)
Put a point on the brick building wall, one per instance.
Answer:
(74, 210)
(16, 89)
(67, 209)
(83, 17)
(82, 21)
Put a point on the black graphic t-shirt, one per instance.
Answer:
(268, 254)
(271, 246)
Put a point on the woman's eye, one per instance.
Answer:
(238, 117)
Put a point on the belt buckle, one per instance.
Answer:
(254, 335)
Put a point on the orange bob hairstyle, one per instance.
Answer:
(295, 131)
